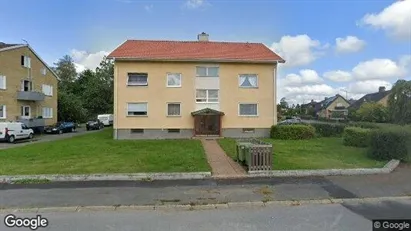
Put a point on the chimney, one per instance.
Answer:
(203, 37)
(381, 89)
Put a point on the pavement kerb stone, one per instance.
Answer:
(245, 204)
(134, 207)
(388, 168)
(95, 208)
(57, 209)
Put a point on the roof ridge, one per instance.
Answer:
(190, 41)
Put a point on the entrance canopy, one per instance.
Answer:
(207, 111)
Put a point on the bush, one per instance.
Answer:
(356, 137)
(328, 129)
(292, 132)
(366, 125)
(390, 143)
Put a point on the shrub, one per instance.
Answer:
(356, 137)
(366, 125)
(328, 129)
(390, 143)
(292, 132)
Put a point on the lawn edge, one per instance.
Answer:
(107, 177)
(185, 207)
(387, 168)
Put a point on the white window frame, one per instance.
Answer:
(4, 108)
(207, 67)
(4, 82)
(43, 71)
(47, 89)
(137, 85)
(48, 114)
(207, 98)
(239, 112)
(181, 78)
(127, 111)
(26, 61)
(24, 116)
(179, 113)
(242, 75)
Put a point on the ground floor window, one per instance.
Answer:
(47, 112)
(248, 109)
(2, 111)
(173, 109)
(136, 109)
(25, 111)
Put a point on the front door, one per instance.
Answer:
(207, 125)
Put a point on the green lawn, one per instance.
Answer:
(99, 153)
(320, 153)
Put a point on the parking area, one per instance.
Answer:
(45, 138)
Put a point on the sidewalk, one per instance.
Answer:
(222, 166)
(202, 192)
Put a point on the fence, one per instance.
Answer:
(259, 155)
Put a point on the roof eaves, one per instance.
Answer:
(196, 60)
(45, 64)
(13, 47)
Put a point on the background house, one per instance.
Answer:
(335, 107)
(380, 97)
(28, 87)
(180, 89)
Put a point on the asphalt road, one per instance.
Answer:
(330, 217)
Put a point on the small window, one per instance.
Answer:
(47, 113)
(3, 111)
(43, 71)
(26, 61)
(137, 109)
(47, 90)
(2, 82)
(137, 130)
(173, 109)
(173, 130)
(26, 85)
(248, 130)
(173, 80)
(248, 81)
(137, 79)
(248, 109)
(25, 111)
(207, 71)
(340, 105)
(206, 96)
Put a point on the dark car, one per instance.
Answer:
(94, 125)
(60, 127)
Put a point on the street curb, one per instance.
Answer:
(389, 167)
(187, 207)
(109, 177)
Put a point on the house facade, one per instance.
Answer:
(335, 107)
(380, 97)
(28, 87)
(181, 89)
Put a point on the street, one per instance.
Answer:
(329, 217)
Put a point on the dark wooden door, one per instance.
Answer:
(207, 125)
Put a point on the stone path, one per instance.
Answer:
(222, 165)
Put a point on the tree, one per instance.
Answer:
(399, 102)
(372, 112)
(66, 72)
(283, 103)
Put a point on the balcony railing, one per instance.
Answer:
(32, 122)
(30, 95)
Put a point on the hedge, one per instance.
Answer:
(328, 129)
(356, 137)
(292, 132)
(368, 125)
(391, 143)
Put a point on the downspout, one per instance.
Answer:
(115, 100)
(275, 94)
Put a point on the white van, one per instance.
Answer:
(12, 131)
(106, 119)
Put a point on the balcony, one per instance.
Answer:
(32, 122)
(30, 96)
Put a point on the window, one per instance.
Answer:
(173, 109)
(137, 130)
(206, 96)
(248, 109)
(26, 61)
(173, 130)
(26, 85)
(340, 105)
(248, 81)
(173, 80)
(2, 111)
(207, 71)
(47, 90)
(2, 82)
(248, 130)
(47, 113)
(25, 111)
(137, 79)
(137, 109)
(43, 71)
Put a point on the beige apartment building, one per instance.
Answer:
(181, 89)
(28, 87)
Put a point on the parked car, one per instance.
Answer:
(94, 125)
(12, 131)
(60, 127)
(106, 119)
(290, 121)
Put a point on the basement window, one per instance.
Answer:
(137, 131)
(173, 130)
(248, 130)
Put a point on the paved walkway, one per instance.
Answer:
(222, 165)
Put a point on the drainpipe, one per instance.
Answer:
(275, 94)
(115, 111)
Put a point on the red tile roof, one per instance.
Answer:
(195, 50)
